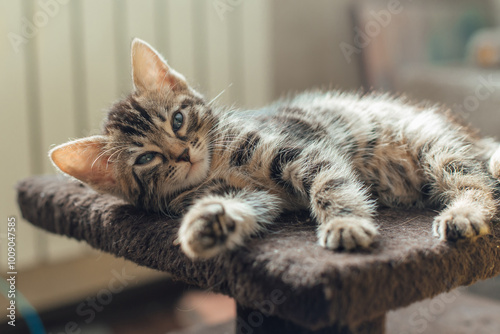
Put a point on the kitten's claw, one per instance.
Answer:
(212, 227)
(347, 233)
(460, 223)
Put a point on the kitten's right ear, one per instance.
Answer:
(86, 160)
(150, 72)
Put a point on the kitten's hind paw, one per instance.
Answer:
(460, 223)
(347, 233)
(212, 226)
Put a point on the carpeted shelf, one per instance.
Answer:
(283, 275)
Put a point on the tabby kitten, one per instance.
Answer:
(229, 172)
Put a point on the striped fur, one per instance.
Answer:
(336, 154)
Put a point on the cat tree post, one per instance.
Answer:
(284, 280)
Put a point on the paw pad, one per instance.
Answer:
(460, 223)
(347, 233)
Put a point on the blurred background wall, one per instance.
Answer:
(63, 62)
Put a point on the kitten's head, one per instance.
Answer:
(156, 141)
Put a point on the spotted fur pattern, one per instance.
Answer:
(338, 155)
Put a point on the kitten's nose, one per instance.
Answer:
(184, 156)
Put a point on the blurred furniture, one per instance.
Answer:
(282, 282)
(390, 36)
(484, 48)
(472, 93)
(445, 52)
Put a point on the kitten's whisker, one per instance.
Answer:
(100, 155)
(219, 95)
(119, 151)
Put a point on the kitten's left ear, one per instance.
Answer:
(151, 72)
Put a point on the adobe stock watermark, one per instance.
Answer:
(30, 26)
(426, 314)
(365, 35)
(11, 270)
(89, 308)
(262, 310)
(482, 92)
(224, 6)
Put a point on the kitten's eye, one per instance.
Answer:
(177, 121)
(145, 158)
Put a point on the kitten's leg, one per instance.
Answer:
(216, 223)
(338, 201)
(341, 206)
(461, 185)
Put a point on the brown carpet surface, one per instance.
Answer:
(283, 272)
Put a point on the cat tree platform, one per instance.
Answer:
(283, 282)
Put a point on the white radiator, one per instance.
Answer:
(62, 63)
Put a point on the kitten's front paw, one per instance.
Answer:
(460, 223)
(212, 227)
(347, 233)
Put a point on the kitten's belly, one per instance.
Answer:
(393, 174)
